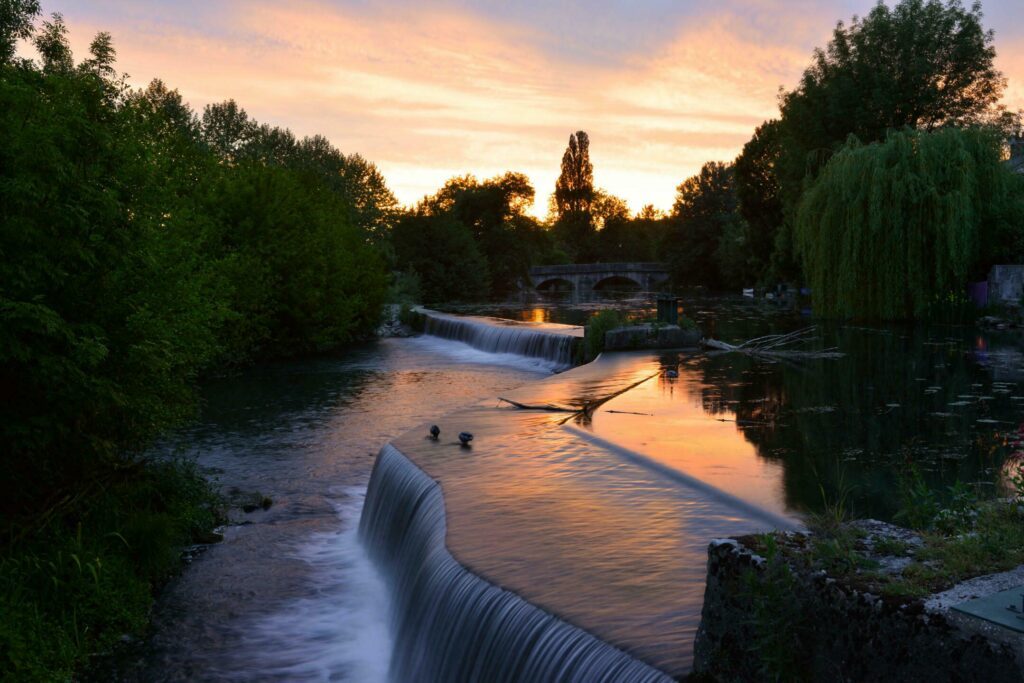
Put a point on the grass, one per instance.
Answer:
(609, 319)
(961, 538)
(597, 326)
(70, 591)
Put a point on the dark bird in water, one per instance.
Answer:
(465, 438)
(672, 373)
(435, 431)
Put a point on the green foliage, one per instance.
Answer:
(775, 617)
(917, 64)
(574, 197)
(87, 577)
(624, 238)
(140, 251)
(471, 239)
(924, 508)
(920, 502)
(303, 279)
(442, 253)
(921, 64)
(707, 244)
(599, 323)
(760, 205)
(405, 288)
(16, 17)
(492, 211)
(891, 229)
(105, 314)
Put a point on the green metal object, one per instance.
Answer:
(1005, 608)
(668, 309)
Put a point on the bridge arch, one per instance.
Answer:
(617, 283)
(587, 277)
(555, 284)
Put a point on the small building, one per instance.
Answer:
(1006, 285)
(1016, 160)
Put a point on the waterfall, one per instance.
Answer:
(552, 343)
(451, 625)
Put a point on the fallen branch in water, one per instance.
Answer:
(628, 412)
(546, 407)
(586, 413)
(770, 346)
(582, 414)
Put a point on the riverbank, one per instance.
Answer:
(78, 584)
(866, 601)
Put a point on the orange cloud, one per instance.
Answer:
(430, 93)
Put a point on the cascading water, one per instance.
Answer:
(451, 625)
(554, 344)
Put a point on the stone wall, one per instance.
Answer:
(766, 620)
(650, 336)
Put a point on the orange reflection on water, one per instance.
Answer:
(537, 315)
(666, 420)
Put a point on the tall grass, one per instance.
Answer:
(70, 589)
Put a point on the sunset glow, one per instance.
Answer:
(431, 92)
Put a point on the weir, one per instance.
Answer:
(451, 625)
(538, 523)
(549, 342)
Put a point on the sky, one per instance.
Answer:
(428, 90)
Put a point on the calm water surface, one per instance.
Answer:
(791, 434)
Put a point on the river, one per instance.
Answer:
(290, 594)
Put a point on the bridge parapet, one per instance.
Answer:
(585, 268)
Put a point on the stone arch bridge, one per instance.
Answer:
(590, 277)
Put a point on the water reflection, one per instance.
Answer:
(795, 433)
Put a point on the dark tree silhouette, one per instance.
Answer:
(574, 198)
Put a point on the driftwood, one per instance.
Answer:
(582, 414)
(771, 346)
(548, 407)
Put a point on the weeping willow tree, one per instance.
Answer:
(890, 229)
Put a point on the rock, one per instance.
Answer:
(391, 326)
(209, 537)
(772, 619)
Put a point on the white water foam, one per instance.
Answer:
(342, 633)
(464, 353)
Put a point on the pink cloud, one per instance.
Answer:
(429, 93)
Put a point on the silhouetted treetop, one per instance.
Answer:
(16, 17)
(574, 189)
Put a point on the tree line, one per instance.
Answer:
(144, 246)
(881, 185)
